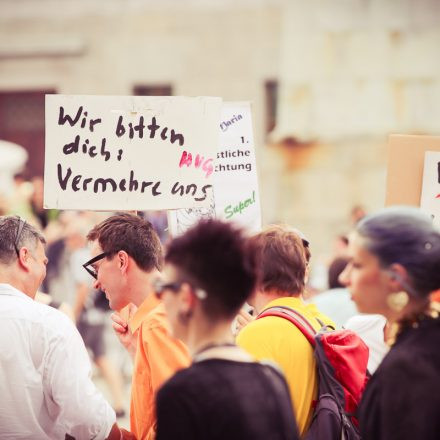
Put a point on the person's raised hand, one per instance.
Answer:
(243, 318)
(122, 330)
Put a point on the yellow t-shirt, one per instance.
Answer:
(278, 340)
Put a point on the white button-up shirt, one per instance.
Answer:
(45, 386)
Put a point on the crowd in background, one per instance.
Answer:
(185, 313)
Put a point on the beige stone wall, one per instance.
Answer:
(217, 50)
(351, 72)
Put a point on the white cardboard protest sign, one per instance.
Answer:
(236, 194)
(430, 199)
(129, 152)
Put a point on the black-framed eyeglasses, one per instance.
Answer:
(160, 286)
(21, 225)
(91, 270)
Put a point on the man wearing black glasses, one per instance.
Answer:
(45, 387)
(126, 259)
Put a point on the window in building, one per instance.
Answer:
(22, 122)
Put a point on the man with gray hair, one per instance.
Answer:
(46, 391)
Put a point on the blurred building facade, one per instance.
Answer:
(329, 80)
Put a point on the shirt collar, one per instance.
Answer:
(144, 309)
(7, 289)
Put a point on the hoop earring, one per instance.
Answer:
(397, 301)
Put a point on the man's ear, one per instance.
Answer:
(23, 258)
(123, 261)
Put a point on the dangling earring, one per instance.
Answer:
(397, 301)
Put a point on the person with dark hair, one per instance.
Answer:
(210, 271)
(336, 267)
(394, 266)
(46, 391)
(336, 302)
(126, 256)
(282, 266)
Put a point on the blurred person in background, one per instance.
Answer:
(373, 329)
(357, 213)
(44, 298)
(90, 309)
(19, 200)
(336, 302)
(394, 267)
(45, 370)
(210, 271)
(36, 201)
(282, 266)
(319, 272)
(160, 223)
(126, 256)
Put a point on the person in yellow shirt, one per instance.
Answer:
(283, 266)
(127, 257)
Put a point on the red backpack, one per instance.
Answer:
(341, 358)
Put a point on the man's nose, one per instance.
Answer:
(97, 285)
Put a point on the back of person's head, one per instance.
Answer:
(336, 267)
(282, 260)
(405, 236)
(215, 256)
(16, 233)
(131, 234)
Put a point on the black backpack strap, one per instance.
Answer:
(296, 318)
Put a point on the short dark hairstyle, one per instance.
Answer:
(335, 269)
(282, 260)
(216, 257)
(406, 236)
(132, 234)
(9, 228)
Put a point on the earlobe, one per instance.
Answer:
(123, 260)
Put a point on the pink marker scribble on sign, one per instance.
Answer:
(206, 164)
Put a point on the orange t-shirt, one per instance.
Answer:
(158, 356)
